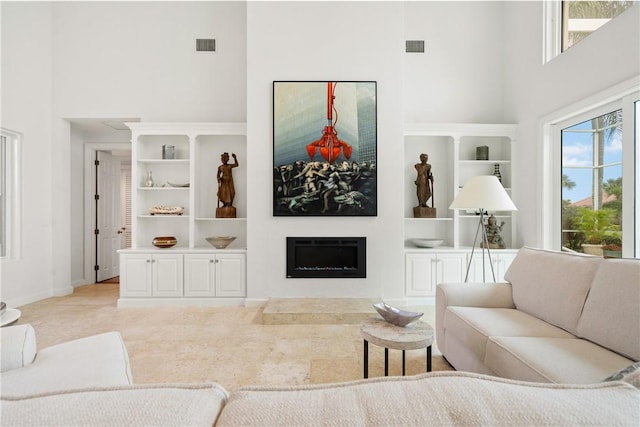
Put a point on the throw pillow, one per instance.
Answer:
(630, 374)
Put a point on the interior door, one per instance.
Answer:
(109, 238)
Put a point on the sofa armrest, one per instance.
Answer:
(493, 295)
(18, 344)
(95, 361)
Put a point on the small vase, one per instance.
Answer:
(148, 182)
(496, 172)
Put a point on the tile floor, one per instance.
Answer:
(229, 345)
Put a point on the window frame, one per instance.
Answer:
(10, 171)
(550, 197)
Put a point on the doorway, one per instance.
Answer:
(107, 209)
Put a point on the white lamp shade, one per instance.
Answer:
(483, 192)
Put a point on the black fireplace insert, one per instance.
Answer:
(327, 257)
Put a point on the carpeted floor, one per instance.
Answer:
(228, 345)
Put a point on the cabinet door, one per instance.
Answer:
(420, 274)
(199, 275)
(230, 275)
(503, 262)
(500, 260)
(476, 273)
(167, 275)
(135, 275)
(451, 268)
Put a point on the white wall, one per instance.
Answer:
(324, 41)
(532, 90)
(26, 108)
(459, 78)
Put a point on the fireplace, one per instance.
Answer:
(327, 257)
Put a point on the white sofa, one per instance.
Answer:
(98, 360)
(560, 318)
(87, 382)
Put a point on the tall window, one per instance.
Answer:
(592, 185)
(9, 193)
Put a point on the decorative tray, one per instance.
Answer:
(166, 210)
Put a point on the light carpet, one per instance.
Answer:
(228, 345)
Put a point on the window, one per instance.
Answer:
(592, 185)
(9, 192)
(591, 177)
(567, 22)
(581, 18)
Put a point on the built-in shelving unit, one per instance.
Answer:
(189, 181)
(452, 154)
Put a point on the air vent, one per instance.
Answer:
(205, 45)
(414, 46)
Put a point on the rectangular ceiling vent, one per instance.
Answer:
(414, 46)
(205, 45)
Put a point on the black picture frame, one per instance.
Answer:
(325, 148)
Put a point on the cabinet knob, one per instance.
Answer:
(212, 261)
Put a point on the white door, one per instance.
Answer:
(109, 238)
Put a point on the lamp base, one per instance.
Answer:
(424, 212)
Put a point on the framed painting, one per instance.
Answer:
(324, 148)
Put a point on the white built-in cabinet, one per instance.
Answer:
(425, 269)
(188, 180)
(452, 154)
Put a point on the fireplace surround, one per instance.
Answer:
(327, 257)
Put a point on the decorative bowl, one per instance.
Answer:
(427, 243)
(164, 242)
(396, 316)
(220, 242)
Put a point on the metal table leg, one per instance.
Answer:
(428, 358)
(386, 362)
(366, 359)
(403, 364)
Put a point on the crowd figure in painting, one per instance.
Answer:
(323, 188)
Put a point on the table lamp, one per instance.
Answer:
(483, 193)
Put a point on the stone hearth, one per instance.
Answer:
(285, 311)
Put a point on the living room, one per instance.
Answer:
(87, 58)
(67, 63)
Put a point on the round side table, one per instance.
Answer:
(414, 336)
(9, 317)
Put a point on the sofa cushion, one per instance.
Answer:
(437, 398)
(133, 405)
(552, 285)
(97, 360)
(611, 315)
(557, 360)
(18, 348)
(474, 326)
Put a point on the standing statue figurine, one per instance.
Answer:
(226, 190)
(424, 184)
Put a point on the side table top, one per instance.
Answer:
(416, 335)
(10, 316)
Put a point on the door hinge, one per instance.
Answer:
(96, 197)
(96, 267)
(96, 162)
(96, 231)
